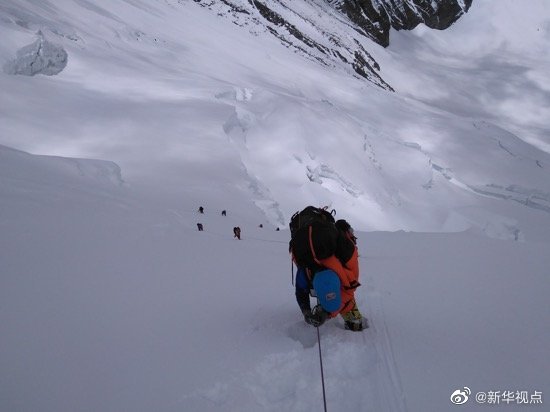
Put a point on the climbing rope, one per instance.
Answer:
(322, 373)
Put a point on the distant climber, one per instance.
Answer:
(224, 213)
(200, 227)
(237, 232)
(201, 209)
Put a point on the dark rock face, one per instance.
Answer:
(376, 17)
(331, 44)
(360, 60)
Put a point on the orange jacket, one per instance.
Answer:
(348, 274)
(349, 279)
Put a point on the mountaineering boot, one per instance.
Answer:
(355, 325)
(353, 320)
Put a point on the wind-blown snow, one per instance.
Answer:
(112, 300)
(494, 61)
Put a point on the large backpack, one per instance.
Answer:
(315, 236)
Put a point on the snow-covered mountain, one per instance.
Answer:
(377, 17)
(119, 118)
(171, 89)
(333, 32)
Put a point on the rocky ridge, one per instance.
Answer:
(314, 28)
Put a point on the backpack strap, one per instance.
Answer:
(310, 230)
(349, 234)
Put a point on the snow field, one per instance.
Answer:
(111, 300)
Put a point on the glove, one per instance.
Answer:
(307, 315)
(316, 317)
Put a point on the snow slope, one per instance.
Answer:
(111, 303)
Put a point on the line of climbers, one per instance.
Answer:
(327, 260)
(236, 229)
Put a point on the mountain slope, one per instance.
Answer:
(110, 302)
(161, 89)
